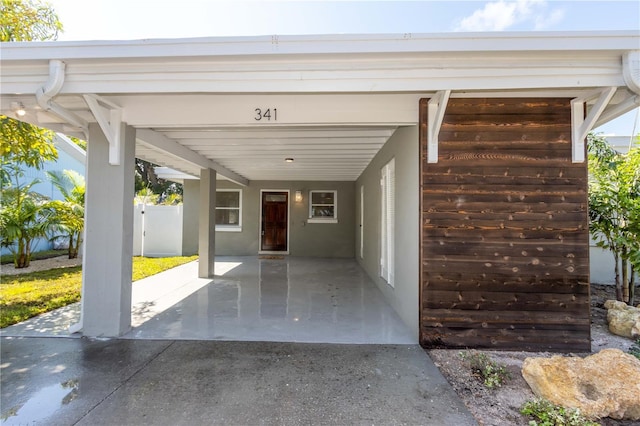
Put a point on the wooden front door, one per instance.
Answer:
(275, 207)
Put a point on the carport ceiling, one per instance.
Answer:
(319, 153)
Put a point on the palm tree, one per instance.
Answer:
(68, 214)
(24, 217)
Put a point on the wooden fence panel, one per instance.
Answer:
(504, 235)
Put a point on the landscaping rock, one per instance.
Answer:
(624, 320)
(606, 384)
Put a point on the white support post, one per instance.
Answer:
(108, 244)
(207, 224)
(581, 125)
(109, 117)
(435, 114)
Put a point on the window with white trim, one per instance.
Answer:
(387, 245)
(323, 206)
(229, 210)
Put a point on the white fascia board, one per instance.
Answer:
(384, 73)
(324, 44)
(173, 148)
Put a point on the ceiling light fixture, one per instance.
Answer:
(288, 160)
(18, 108)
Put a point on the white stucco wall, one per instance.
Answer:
(404, 296)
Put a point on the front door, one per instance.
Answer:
(275, 207)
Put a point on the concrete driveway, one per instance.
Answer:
(64, 381)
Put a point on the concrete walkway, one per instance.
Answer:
(311, 300)
(144, 382)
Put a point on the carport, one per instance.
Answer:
(339, 118)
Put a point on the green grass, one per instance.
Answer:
(27, 295)
(6, 259)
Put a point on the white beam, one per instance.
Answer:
(259, 111)
(109, 117)
(614, 111)
(172, 147)
(581, 125)
(435, 114)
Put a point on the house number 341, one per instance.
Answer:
(269, 114)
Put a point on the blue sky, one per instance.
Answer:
(140, 19)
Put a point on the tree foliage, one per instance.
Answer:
(614, 209)
(146, 178)
(68, 214)
(23, 145)
(23, 213)
(28, 20)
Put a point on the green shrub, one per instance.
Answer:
(491, 374)
(635, 349)
(545, 413)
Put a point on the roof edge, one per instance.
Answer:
(621, 40)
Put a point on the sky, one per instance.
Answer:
(144, 19)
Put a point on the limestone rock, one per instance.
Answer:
(606, 384)
(624, 320)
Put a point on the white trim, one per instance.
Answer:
(260, 251)
(581, 125)
(387, 222)
(109, 117)
(231, 228)
(435, 114)
(318, 220)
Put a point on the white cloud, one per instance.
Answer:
(545, 21)
(501, 15)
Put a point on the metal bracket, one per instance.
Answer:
(581, 125)
(435, 114)
(109, 117)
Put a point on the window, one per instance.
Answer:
(388, 217)
(229, 210)
(323, 207)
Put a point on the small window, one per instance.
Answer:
(323, 206)
(229, 210)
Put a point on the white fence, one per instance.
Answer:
(157, 230)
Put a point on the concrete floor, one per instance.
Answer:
(67, 381)
(150, 378)
(279, 300)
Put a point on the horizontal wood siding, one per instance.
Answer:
(505, 242)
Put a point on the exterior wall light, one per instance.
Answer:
(298, 196)
(288, 160)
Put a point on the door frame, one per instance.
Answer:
(260, 251)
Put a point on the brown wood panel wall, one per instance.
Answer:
(504, 235)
